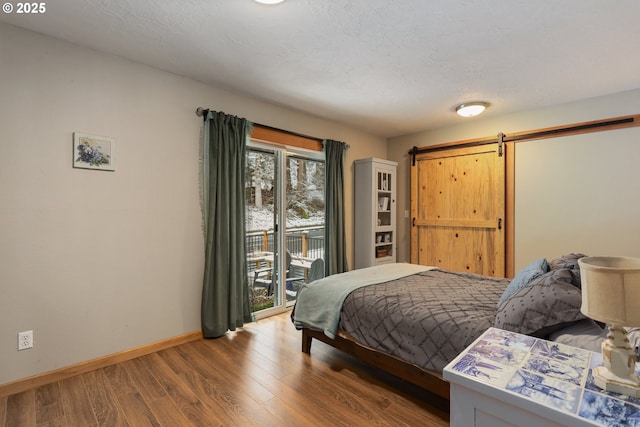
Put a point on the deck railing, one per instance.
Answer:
(302, 242)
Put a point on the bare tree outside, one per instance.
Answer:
(304, 191)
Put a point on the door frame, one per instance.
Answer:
(281, 153)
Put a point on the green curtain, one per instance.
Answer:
(225, 291)
(335, 252)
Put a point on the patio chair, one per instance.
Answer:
(316, 271)
(265, 276)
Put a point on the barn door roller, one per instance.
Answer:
(500, 143)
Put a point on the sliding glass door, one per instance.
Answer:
(284, 222)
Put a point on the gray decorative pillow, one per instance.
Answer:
(569, 261)
(546, 304)
(536, 269)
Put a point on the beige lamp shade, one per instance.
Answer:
(611, 289)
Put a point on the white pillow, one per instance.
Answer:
(588, 335)
(582, 334)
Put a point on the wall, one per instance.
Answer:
(573, 194)
(97, 262)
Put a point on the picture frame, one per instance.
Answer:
(94, 152)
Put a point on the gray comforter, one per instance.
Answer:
(427, 318)
(319, 303)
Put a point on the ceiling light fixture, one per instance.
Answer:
(470, 109)
(269, 1)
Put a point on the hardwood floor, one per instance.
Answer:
(256, 376)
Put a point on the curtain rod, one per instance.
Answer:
(606, 124)
(202, 112)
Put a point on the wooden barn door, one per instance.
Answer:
(458, 210)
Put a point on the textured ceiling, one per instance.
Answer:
(387, 67)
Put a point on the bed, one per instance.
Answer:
(412, 320)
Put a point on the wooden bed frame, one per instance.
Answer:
(431, 381)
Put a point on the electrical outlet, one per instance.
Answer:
(25, 340)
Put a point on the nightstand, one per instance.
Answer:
(508, 379)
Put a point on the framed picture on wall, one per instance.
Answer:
(93, 152)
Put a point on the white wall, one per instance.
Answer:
(97, 262)
(590, 203)
(573, 194)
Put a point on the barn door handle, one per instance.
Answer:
(413, 222)
(499, 223)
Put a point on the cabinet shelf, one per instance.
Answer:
(375, 210)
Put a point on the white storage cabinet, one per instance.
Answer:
(375, 212)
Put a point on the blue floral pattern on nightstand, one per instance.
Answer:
(554, 375)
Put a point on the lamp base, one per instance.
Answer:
(607, 380)
(617, 374)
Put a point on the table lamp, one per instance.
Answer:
(611, 294)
